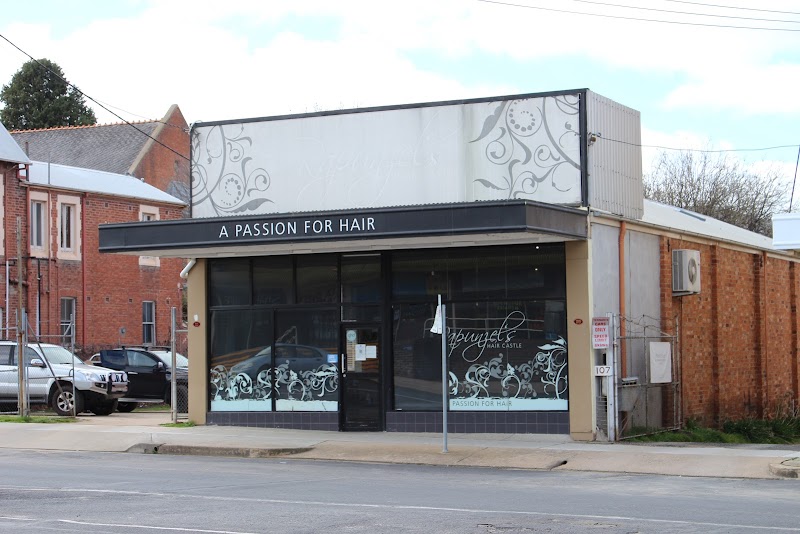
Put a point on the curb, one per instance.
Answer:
(232, 452)
(787, 469)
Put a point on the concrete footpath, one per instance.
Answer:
(143, 432)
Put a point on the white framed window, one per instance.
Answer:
(148, 322)
(67, 318)
(149, 213)
(39, 222)
(69, 227)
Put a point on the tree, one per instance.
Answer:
(39, 97)
(720, 187)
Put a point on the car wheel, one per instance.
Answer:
(64, 397)
(104, 408)
(126, 407)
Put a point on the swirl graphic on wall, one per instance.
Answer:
(222, 173)
(535, 144)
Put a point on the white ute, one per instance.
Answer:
(58, 378)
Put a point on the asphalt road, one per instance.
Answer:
(130, 493)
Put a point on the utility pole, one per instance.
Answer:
(23, 398)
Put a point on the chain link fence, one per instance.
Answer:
(37, 387)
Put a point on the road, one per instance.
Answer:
(132, 493)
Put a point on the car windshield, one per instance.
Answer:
(166, 357)
(60, 355)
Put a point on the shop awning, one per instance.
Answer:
(441, 225)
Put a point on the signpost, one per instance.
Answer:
(439, 327)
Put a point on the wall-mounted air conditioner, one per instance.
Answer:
(685, 272)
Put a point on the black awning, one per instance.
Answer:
(342, 225)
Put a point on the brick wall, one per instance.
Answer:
(160, 167)
(109, 289)
(738, 337)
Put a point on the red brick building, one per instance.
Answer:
(89, 176)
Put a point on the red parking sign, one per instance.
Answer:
(601, 332)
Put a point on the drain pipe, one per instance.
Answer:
(185, 271)
(623, 350)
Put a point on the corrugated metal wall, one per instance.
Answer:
(615, 158)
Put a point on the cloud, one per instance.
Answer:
(748, 89)
(242, 58)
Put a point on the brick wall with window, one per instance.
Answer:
(63, 267)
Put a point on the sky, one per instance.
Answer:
(696, 83)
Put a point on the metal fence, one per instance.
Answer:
(179, 343)
(646, 397)
(18, 382)
(15, 379)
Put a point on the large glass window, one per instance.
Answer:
(507, 356)
(417, 358)
(229, 282)
(273, 280)
(306, 356)
(361, 279)
(241, 360)
(506, 328)
(317, 279)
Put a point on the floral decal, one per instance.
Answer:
(222, 173)
(534, 144)
(297, 385)
(543, 376)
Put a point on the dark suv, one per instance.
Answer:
(149, 372)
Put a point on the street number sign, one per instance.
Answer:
(602, 370)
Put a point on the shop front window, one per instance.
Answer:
(241, 360)
(507, 356)
(506, 329)
(306, 357)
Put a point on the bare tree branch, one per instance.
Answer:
(720, 187)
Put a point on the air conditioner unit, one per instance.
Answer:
(685, 272)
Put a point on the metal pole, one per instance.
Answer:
(8, 270)
(444, 376)
(72, 351)
(611, 357)
(22, 362)
(173, 381)
(23, 405)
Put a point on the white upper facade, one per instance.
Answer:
(529, 147)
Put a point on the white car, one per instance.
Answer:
(58, 378)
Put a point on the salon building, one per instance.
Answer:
(321, 243)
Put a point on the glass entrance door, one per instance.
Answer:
(361, 407)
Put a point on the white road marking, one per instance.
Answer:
(17, 518)
(178, 529)
(392, 507)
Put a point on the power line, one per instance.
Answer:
(93, 100)
(759, 149)
(639, 19)
(733, 7)
(684, 12)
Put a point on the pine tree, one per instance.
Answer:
(39, 97)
